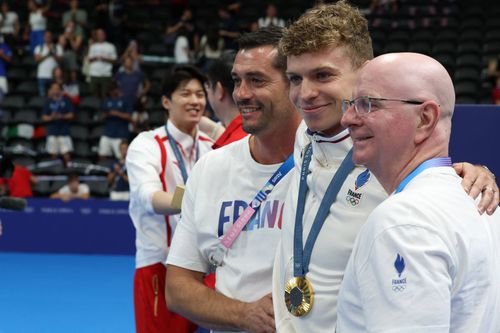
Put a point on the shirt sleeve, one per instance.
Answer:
(404, 275)
(84, 189)
(184, 250)
(144, 168)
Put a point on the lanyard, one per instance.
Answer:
(302, 255)
(178, 156)
(432, 163)
(253, 206)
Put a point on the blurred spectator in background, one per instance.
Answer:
(5, 58)
(9, 26)
(19, 184)
(271, 18)
(101, 57)
(495, 94)
(140, 117)
(71, 43)
(37, 24)
(133, 82)
(72, 190)
(69, 83)
(228, 28)
(71, 88)
(219, 87)
(182, 53)
(384, 6)
(187, 26)
(116, 114)
(76, 15)
(58, 113)
(46, 56)
(211, 47)
(117, 177)
(132, 51)
(111, 15)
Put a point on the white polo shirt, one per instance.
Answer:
(425, 261)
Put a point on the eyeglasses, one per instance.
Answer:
(363, 104)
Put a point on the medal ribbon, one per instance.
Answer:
(432, 163)
(178, 155)
(253, 206)
(302, 255)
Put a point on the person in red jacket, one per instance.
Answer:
(219, 88)
(19, 185)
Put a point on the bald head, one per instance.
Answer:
(412, 76)
(411, 103)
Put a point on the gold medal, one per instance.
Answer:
(299, 296)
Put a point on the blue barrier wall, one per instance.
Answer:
(476, 135)
(102, 226)
(79, 226)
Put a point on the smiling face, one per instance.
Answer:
(319, 81)
(384, 137)
(260, 90)
(186, 105)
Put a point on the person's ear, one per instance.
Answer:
(429, 115)
(165, 102)
(220, 93)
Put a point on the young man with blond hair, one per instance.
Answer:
(325, 48)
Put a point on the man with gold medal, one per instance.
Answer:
(325, 48)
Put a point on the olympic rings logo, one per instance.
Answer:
(353, 201)
(398, 288)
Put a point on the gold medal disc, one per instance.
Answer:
(299, 296)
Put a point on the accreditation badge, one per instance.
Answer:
(299, 296)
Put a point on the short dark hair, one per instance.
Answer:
(264, 37)
(220, 71)
(178, 74)
(73, 177)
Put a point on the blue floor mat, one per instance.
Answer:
(66, 293)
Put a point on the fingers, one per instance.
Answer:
(469, 174)
(489, 200)
(260, 316)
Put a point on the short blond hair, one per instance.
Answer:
(324, 26)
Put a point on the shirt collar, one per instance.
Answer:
(328, 150)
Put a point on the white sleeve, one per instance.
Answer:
(404, 276)
(143, 169)
(59, 50)
(112, 52)
(91, 52)
(84, 189)
(184, 250)
(64, 190)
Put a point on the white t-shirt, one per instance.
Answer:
(264, 22)
(144, 167)
(181, 49)
(101, 68)
(38, 22)
(336, 239)
(47, 65)
(82, 189)
(218, 190)
(425, 261)
(9, 23)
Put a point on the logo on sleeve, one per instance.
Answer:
(353, 197)
(399, 284)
